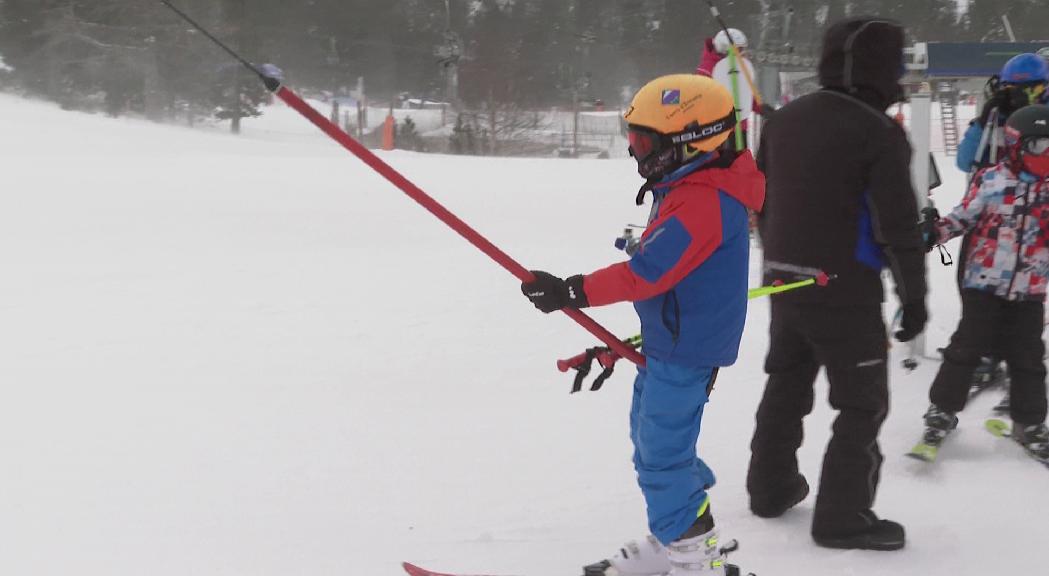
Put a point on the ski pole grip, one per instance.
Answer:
(567, 364)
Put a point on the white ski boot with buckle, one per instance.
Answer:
(699, 553)
(698, 556)
(636, 558)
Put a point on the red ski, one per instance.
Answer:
(414, 570)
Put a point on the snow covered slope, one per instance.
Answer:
(252, 356)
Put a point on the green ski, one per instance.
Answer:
(1003, 429)
(924, 452)
(999, 428)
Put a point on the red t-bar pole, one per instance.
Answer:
(442, 213)
(397, 179)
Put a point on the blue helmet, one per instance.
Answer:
(1025, 69)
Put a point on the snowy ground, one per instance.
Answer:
(251, 356)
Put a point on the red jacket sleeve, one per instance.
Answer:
(709, 59)
(687, 231)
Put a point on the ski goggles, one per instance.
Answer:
(1031, 93)
(1035, 93)
(1039, 146)
(644, 141)
(1034, 155)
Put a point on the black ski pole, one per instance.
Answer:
(721, 21)
(272, 83)
(732, 46)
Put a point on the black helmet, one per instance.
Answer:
(1027, 139)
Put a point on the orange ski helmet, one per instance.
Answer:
(674, 119)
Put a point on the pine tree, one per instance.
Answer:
(683, 26)
(1030, 20)
(237, 94)
(492, 48)
(985, 19)
(137, 57)
(544, 41)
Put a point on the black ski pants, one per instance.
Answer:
(850, 342)
(1009, 330)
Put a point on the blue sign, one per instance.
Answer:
(974, 59)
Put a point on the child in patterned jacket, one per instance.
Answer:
(1003, 283)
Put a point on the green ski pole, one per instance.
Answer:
(607, 357)
(733, 72)
(770, 290)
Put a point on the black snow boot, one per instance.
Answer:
(881, 535)
(774, 506)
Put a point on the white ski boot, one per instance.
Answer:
(636, 558)
(697, 556)
(699, 553)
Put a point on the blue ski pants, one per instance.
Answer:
(665, 418)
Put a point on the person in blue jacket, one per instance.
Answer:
(1023, 81)
(688, 282)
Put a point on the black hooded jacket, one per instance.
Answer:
(839, 195)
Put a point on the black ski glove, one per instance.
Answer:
(1015, 98)
(913, 321)
(928, 227)
(550, 293)
(1007, 99)
(998, 100)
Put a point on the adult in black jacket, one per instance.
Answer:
(839, 199)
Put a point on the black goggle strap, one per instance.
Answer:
(696, 132)
(692, 133)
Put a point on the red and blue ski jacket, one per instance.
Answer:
(688, 279)
(1005, 216)
(709, 60)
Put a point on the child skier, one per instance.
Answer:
(716, 48)
(1023, 81)
(1006, 215)
(688, 282)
